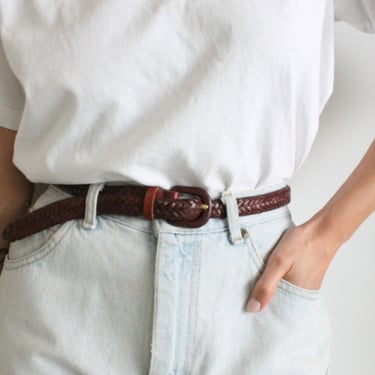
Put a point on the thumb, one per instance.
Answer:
(265, 287)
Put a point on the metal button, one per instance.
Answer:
(244, 232)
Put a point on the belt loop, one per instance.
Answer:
(89, 221)
(230, 202)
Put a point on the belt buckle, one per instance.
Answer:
(206, 207)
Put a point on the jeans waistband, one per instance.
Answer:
(232, 222)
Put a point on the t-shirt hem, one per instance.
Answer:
(10, 118)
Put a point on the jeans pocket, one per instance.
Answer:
(295, 325)
(262, 239)
(37, 245)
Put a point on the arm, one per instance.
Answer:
(304, 253)
(15, 190)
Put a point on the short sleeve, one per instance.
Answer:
(12, 97)
(358, 13)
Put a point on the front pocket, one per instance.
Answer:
(37, 245)
(262, 239)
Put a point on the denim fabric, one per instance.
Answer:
(122, 295)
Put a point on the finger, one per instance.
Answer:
(265, 287)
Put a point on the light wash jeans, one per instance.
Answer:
(121, 295)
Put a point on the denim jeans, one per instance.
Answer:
(122, 295)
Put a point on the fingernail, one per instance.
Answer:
(253, 305)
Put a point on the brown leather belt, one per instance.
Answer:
(150, 202)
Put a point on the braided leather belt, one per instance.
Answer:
(151, 202)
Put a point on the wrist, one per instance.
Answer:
(324, 228)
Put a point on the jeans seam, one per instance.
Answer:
(40, 253)
(312, 295)
(267, 219)
(155, 316)
(196, 252)
(127, 225)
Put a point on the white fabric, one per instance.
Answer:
(221, 95)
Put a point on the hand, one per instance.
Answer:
(301, 257)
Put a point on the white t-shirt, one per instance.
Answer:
(216, 94)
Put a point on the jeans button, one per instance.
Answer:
(244, 233)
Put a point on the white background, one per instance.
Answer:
(347, 127)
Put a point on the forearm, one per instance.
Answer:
(349, 207)
(15, 190)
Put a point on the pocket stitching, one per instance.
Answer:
(40, 252)
(295, 290)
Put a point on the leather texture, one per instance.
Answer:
(147, 201)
